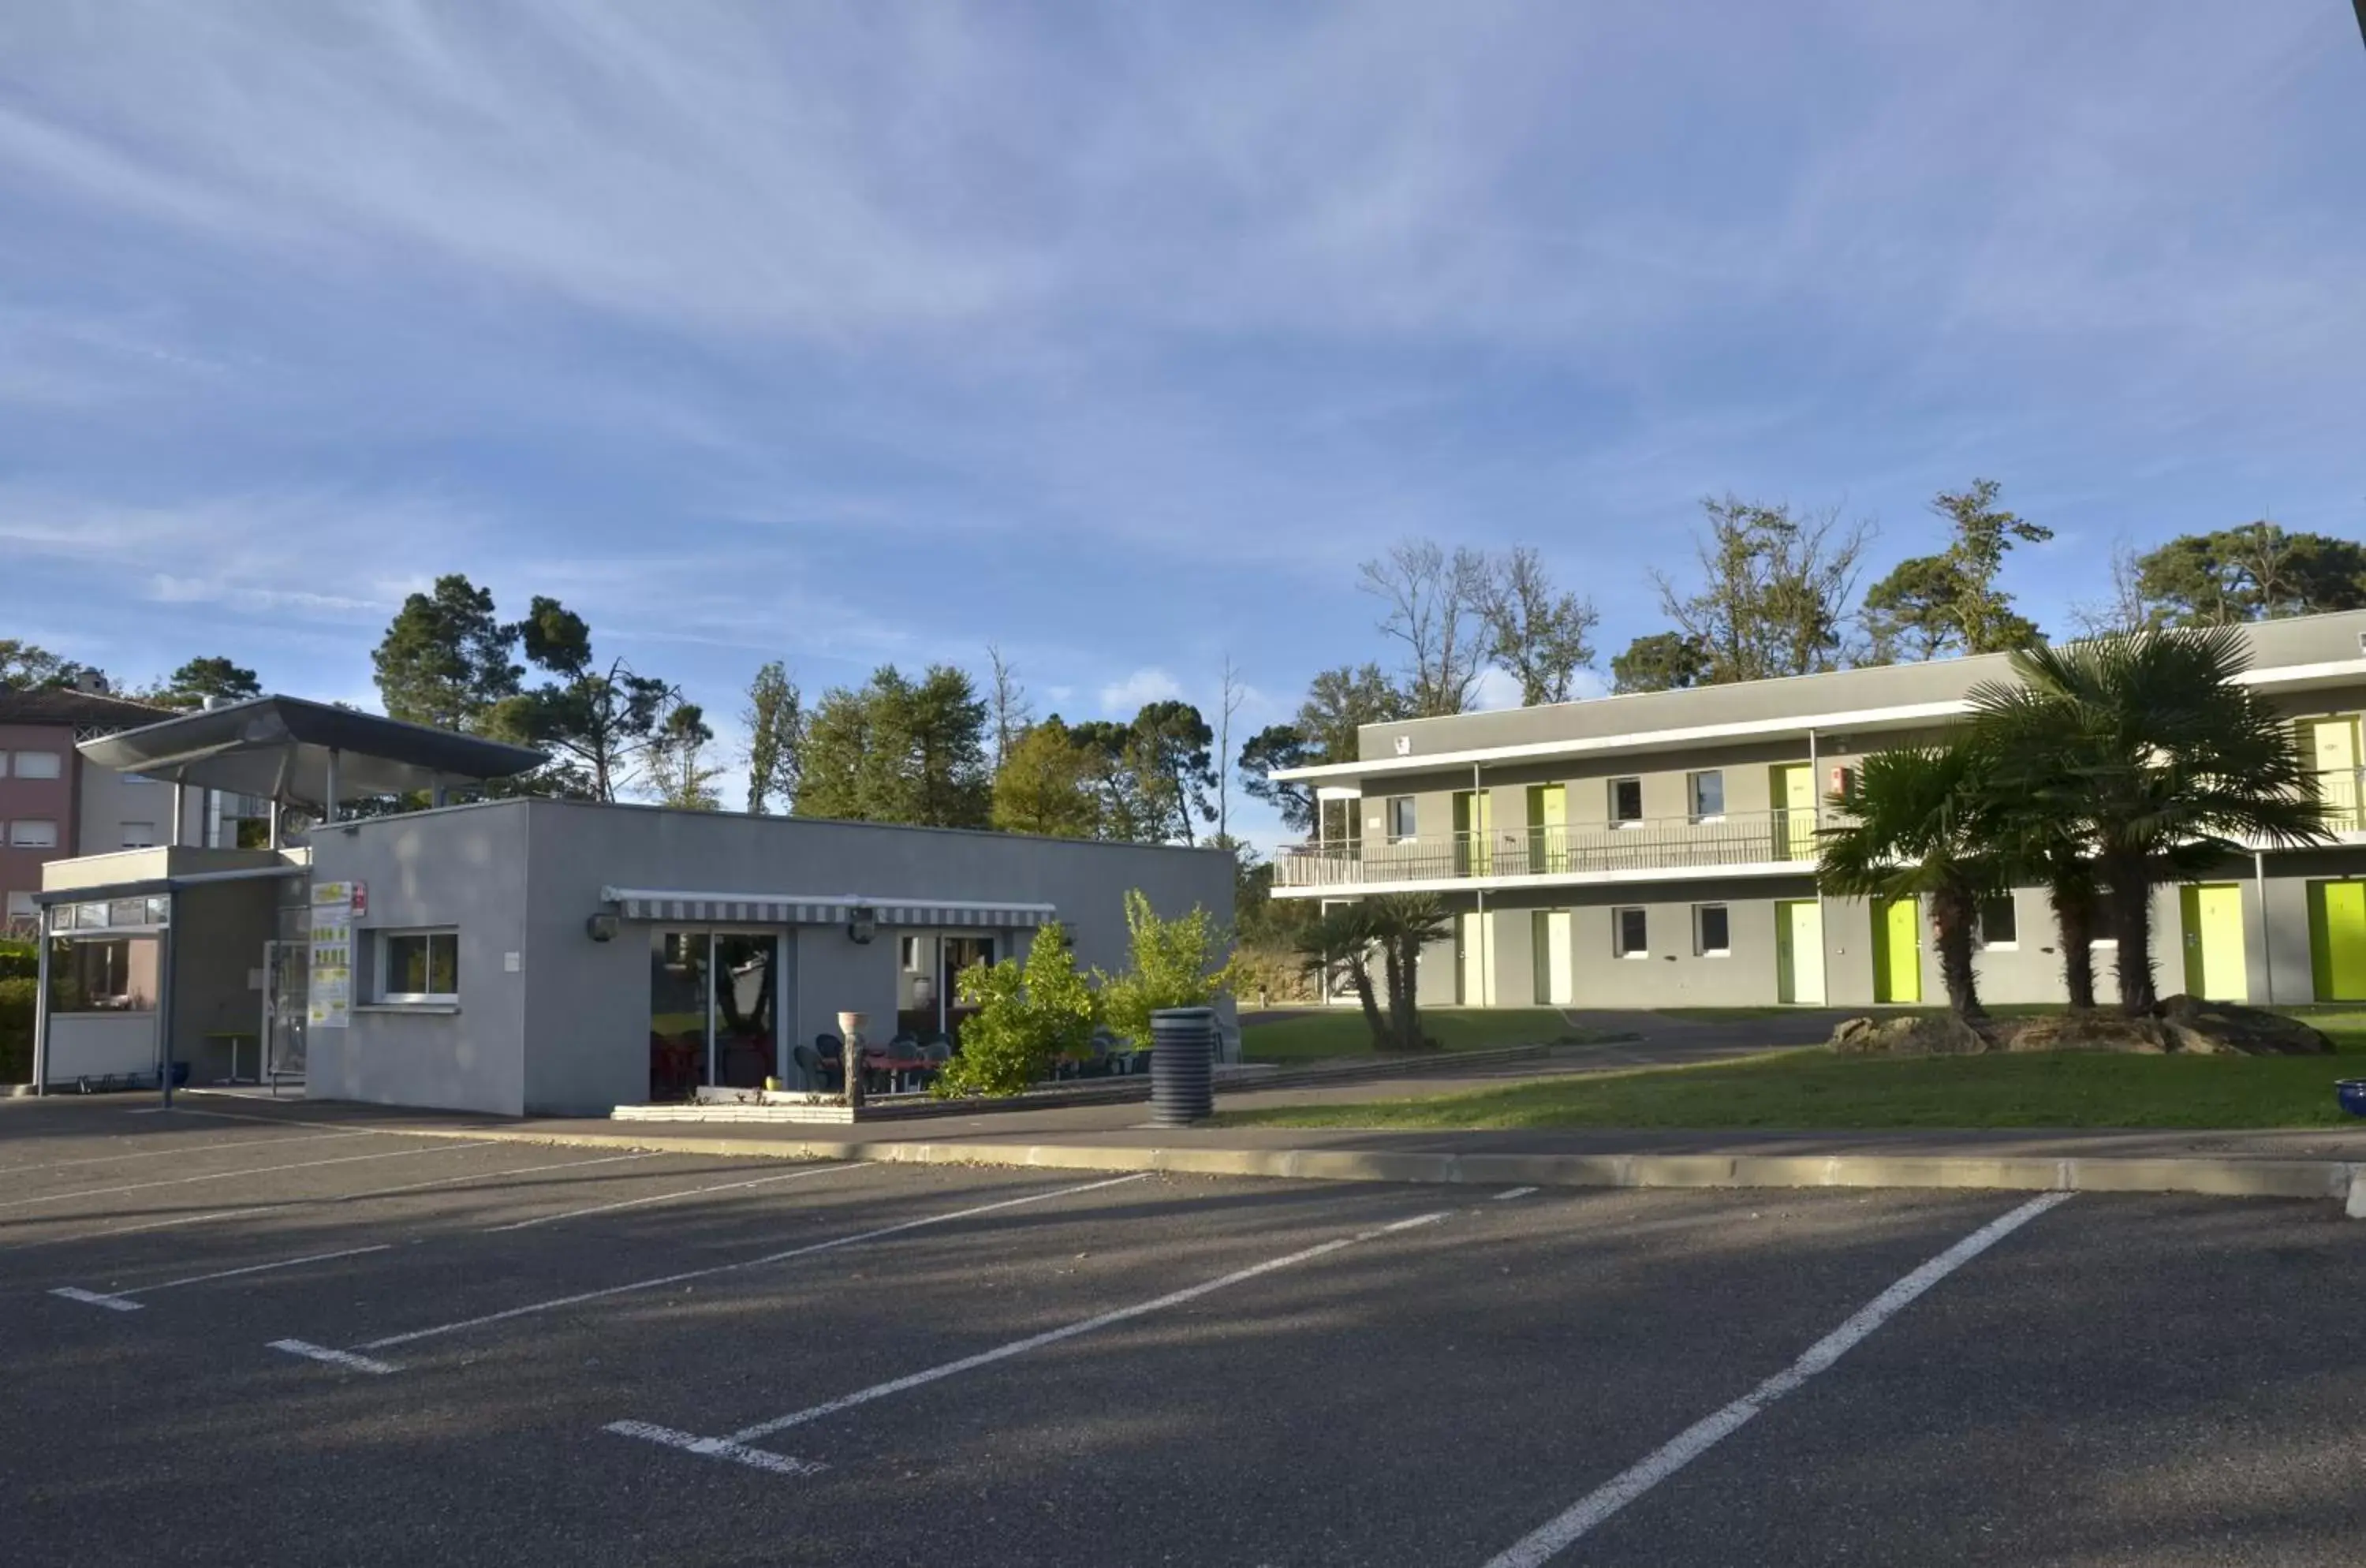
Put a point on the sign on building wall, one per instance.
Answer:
(335, 904)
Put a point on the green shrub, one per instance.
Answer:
(17, 996)
(19, 960)
(1175, 963)
(1027, 1017)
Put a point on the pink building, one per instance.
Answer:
(54, 805)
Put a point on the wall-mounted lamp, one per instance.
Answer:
(601, 927)
(864, 926)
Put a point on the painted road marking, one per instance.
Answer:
(665, 1197)
(334, 1358)
(1514, 1192)
(235, 1175)
(1560, 1533)
(735, 1446)
(717, 1448)
(390, 1341)
(121, 1300)
(182, 1149)
(113, 1303)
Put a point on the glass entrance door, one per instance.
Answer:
(715, 1003)
(746, 1003)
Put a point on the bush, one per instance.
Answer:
(19, 960)
(1177, 963)
(17, 996)
(1028, 1018)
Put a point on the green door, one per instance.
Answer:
(2337, 940)
(1799, 952)
(1548, 827)
(1474, 828)
(1896, 952)
(2214, 941)
(1792, 788)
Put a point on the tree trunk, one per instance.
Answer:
(1951, 922)
(1407, 997)
(2074, 919)
(1359, 974)
(1388, 1039)
(2131, 894)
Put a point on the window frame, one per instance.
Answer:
(56, 761)
(1618, 947)
(1693, 796)
(17, 824)
(123, 831)
(1701, 949)
(1389, 828)
(1999, 944)
(1615, 819)
(382, 967)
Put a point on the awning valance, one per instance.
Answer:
(823, 909)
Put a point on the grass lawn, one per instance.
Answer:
(1340, 1032)
(1813, 1088)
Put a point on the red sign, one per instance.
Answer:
(361, 898)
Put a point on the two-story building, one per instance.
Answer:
(53, 804)
(1657, 849)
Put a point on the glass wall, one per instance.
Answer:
(713, 1005)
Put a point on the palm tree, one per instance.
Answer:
(1404, 923)
(1918, 828)
(1345, 936)
(2038, 845)
(2143, 746)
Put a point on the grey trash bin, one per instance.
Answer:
(1182, 1063)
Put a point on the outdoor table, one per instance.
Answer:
(896, 1067)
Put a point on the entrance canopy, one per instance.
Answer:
(288, 750)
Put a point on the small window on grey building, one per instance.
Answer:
(1629, 933)
(1709, 795)
(1626, 801)
(419, 966)
(1712, 930)
(139, 835)
(1400, 818)
(1999, 925)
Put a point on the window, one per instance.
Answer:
(33, 833)
(419, 966)
(36, 764)
(21, 907)
(1400, 818)
(1999, 927)
(139, 835)
(1709, 795)
(116, 976)
(1629, 934)
(1712, 930)
(1626, 801)
(2106, 925)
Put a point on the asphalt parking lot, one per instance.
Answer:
(284, 1340)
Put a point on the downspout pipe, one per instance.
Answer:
(41, 1002)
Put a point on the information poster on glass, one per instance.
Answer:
(334, 903)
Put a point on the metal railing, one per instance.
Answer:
(2343, 790)
(1675, 843)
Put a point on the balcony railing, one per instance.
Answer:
(1676, 843)
(2343, 791)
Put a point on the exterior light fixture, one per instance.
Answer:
(601, 927)
(864, 926)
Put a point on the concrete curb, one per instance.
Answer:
(2340, 1181)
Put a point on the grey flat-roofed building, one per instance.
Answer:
(1655, 850)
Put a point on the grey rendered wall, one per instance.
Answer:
(465, 868)
(218, 937)
(588, 1002)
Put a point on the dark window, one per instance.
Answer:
(1998, 921)
(1630, 934)
(1712, 928)
(421, 966)
(1625, 800)
(1709, 794)
(1401, 819)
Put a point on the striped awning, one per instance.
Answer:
(823, 909)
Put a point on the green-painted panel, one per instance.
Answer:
(1898, 952)
(2337, 932)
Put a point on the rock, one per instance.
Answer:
(1941, 1034)
(2082, 1032)
(2229, 1028)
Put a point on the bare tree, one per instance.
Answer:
(1536, 633)
(1434, 604)
(2125, 610)
(1006, 703)
(1229, 703)
(1775, 592)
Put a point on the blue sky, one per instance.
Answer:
(846, 334)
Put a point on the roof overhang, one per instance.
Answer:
(824, 909)
(2280, 678)
(283, 748)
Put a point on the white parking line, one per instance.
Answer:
(180, 1149)
(736, 1448)
(665, 1197)
(1513, 1192)
(1560, 1533)
(334, 1358)
(663, 1280)
(234, 1174)
(120, 1300)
